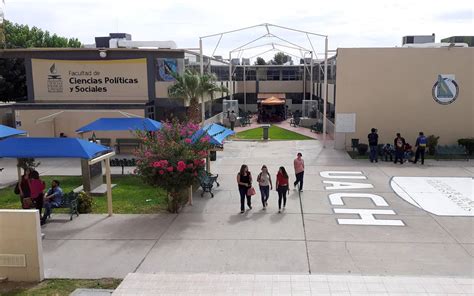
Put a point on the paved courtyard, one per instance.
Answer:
(213, 237)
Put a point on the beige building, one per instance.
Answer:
(398, 90)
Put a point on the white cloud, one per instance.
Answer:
(348, 23)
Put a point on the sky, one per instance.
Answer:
(348, 23)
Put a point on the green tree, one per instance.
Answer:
(12, 70)
(260, 61)
(280, 58)
(192, 86)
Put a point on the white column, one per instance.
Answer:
(231, 90)
(245, 92)
(311, 78)
(325, 89)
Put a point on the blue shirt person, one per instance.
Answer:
(420, 145)
(53, 199)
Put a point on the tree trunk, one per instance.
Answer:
(194, 114)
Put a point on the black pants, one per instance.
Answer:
(265, 192)
(420, 151)
(399, 154)
(299, 179)
(282, 190)
(232, 125)
(243, 194)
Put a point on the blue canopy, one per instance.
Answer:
(121, 124)
(217, 132)
(6, 131)
(50, 148)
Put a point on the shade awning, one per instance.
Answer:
(121, 124)
(273, 101)
(50, 148)
(6, 131)
(216, 132)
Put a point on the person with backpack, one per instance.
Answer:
(399, 144)
(265, 183)
(420, 146)
(373, 145)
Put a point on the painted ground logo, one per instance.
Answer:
(445, 90)
(55, 82)
(442, 196)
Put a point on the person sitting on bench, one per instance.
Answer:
(52, 199)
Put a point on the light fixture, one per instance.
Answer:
(103, 54)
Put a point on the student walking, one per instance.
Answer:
(232, 119)
(265, 183)
(420, 146)
(373, 144)
(282, 187)
(399, 144)
(298, 164)
(244, 180)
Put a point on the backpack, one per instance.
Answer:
(422, 141)
(399, 143)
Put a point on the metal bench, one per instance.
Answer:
(134, 143)
(69, 201)
(206, 181)
(452, 152)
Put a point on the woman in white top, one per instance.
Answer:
(265, 183)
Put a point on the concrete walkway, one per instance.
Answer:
(296, 285)
(212, 237)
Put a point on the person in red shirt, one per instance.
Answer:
(37, 187)
(282, 187)
(298, 163)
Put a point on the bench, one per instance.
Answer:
(104, 141)
(317, 128)
(134, 143)
(206, 181)
(451, 152)
(69, 201)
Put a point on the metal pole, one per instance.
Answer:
(311, 75)
(203, 117)
(304, 81)
(245, 92)
(231, 90)
(325, 89)
(109, 186)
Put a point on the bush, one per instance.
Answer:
(84, 203)
(468, 143)
(432, 142)
(362, 148)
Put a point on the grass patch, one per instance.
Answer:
(55, 287)
(130, 196)
(275, 133)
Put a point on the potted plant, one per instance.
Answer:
(362, 148)
(432, 142)
(172, 158)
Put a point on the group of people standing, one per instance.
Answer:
(31, 190)
(401, 150)
(264, 180)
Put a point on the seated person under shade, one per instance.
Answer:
(52, 199)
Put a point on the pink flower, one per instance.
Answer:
(148, 154)
(195, 174)
(181, 166)
(188, 140)
(156, 164)
(190, 166)
(164, 163)
(161, 172)
(170, 169)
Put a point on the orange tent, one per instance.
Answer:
(273, 101)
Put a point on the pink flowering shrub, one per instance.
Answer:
(171, 158)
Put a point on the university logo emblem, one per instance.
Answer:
(55, 82)
(445, 90)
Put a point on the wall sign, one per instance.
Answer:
(443, 196)
(89, 79)
(445, 90)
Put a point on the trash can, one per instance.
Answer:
(213, 155)
(265, 131)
